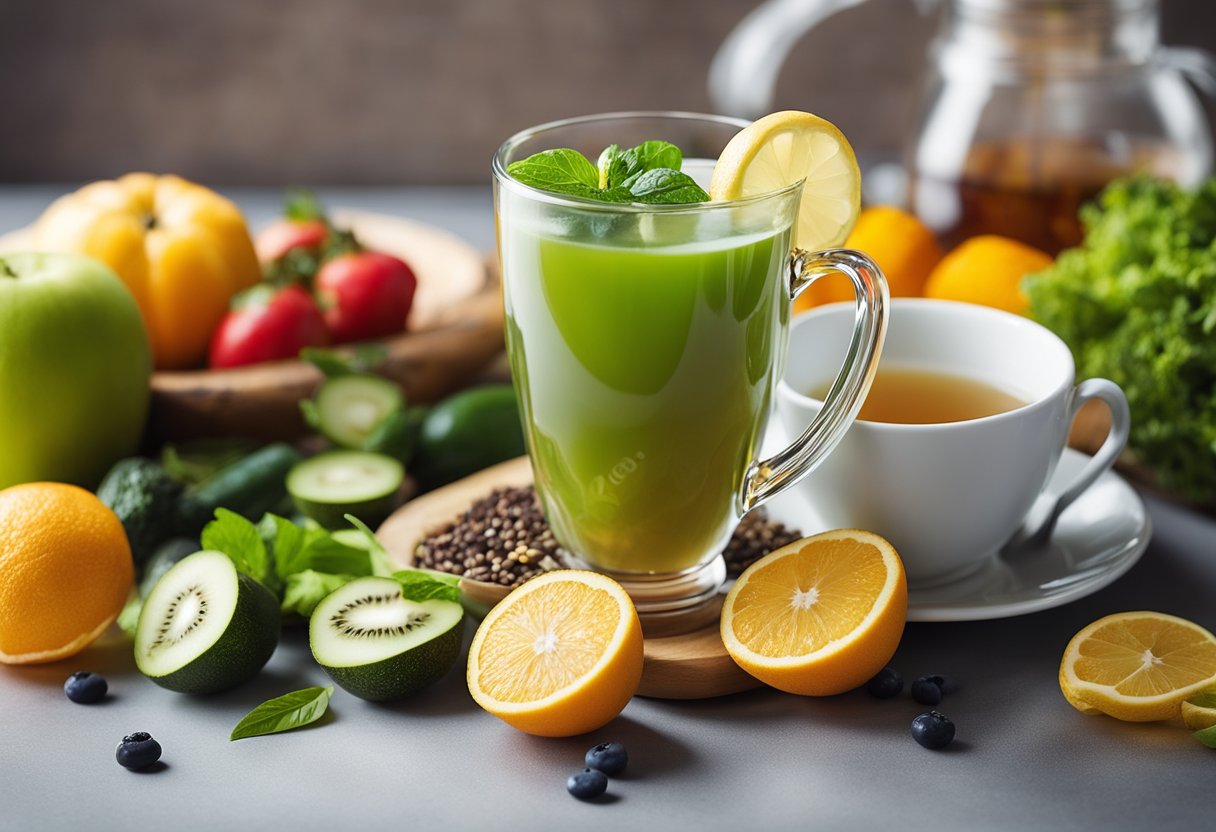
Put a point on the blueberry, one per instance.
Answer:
(587, 784)
(609, 757)
(926, 691)
(85, 688)
(933, 730)
(137, 750)
(948, 684)
(886, 684)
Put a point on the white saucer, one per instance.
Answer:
(1098, 538)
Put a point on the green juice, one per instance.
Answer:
(645, 372)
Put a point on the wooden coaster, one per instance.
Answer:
(692, 665)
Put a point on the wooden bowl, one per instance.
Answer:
(455, 329)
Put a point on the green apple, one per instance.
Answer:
(74, 369)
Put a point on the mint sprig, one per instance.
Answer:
(649, 173)
(283, 713)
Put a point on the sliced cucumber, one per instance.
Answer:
(379, 646)
(349, 408)
(334, 484)
(205, 627)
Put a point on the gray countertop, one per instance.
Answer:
(761, 760)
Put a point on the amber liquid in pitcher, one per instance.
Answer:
(1029, 190)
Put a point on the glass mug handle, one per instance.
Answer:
(768, 477)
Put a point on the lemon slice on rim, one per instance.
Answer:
(778, 150)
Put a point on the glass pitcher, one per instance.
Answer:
(1029, 108)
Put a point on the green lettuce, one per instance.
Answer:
(1136, 303)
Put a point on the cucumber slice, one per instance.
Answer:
(337, 483)
(379, 646)
(350, 407)
(205, 627)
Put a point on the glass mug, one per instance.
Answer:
(645, 344)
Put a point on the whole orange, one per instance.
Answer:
(65, 571)
(987, 270)
(902, 246)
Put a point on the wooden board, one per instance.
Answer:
(455, 329)
(689, 666)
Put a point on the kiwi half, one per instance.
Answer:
(205, 627)
(378, 645)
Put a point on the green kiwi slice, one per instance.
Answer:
(205, 627)
(378, 645)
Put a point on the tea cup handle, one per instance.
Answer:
(767, 477)
(1041, 521)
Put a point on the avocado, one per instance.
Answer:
(145, 498)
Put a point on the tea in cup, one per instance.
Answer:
(964, 424)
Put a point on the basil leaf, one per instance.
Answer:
(304, 590)
(237, 538)
(283, 713)
(420, 586)
(667, 187)
(562, 170)
(1207, 699)
(1207, 736)
(651, 155)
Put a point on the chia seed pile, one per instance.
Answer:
(503, 539)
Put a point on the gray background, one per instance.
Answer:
(408, 91)
(1023, 759)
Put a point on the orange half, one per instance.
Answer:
(820, 616)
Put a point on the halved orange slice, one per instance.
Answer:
(820, 616)
(561, 655)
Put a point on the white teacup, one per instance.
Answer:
(949, 495)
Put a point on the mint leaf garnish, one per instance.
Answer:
(649, 173)
(1207, 736)
(283, 713)
(652, 155)
(666, 186)
(562, 171)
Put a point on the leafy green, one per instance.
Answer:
(417, 585)
(381, 565)
(276, 552)
(239, 539)
(1207, 736)
(649, 173)
(304, 590)
(283, 713)
(1136, 303)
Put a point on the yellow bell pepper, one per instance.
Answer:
(182, 250)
